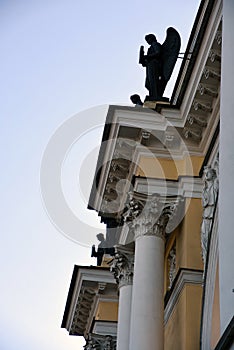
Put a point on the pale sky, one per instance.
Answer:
(61, 59)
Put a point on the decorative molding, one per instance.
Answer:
(123, 265)
(100, 342)
(184, 277)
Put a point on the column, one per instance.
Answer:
(147, 315)
(226, 174)
(122, 269)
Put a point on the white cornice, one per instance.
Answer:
(207, 42)
(88, 278)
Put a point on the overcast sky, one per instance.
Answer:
(60, 60)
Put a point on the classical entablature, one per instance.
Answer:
(90, 287)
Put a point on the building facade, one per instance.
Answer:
(163, 187)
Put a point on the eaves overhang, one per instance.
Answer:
(88, 284)
(192, 50)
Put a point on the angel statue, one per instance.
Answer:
(159, 62)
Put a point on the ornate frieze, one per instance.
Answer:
(100, 342)
(123, 265)
(209, 196)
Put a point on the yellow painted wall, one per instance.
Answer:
(107, 311)
(175, 330)
(182, 331)
(169, 168)
(188, 241)
(193, 316)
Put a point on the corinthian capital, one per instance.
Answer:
(122, 266)
(100, 342)
(151, 218)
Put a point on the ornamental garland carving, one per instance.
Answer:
(172, 266)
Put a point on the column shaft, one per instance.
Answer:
(124, 315)
(147, 297)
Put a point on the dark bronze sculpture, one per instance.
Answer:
(159, 62)
(102, 249)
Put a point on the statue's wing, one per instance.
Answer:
(170, 51)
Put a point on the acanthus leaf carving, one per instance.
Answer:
(150, 217)
(100, 342)
(123, 265)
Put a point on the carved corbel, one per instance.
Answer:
(214, 56)
(197, 119)
(207, 90)
(218, 37)
(211, 73)
(194, 133)
(198, 105)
